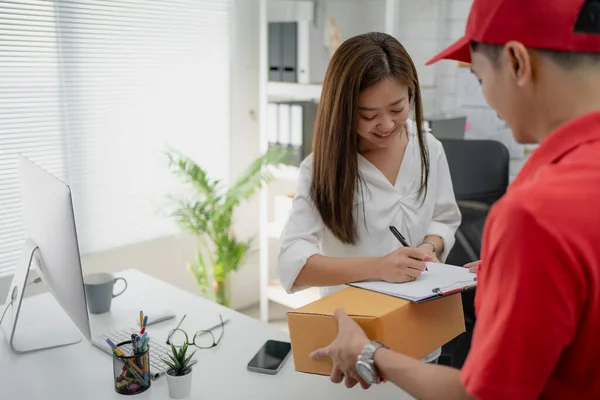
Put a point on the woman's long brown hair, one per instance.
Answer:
(358, 63)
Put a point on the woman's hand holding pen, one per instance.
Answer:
(403, 265)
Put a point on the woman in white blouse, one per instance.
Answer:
(371, 168)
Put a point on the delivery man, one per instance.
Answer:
(538, 296)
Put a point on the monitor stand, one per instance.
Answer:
(31, 331)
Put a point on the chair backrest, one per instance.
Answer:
(479, 168)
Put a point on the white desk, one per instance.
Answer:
(82, 371)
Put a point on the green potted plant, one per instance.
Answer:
(207, 212)
(179, 373)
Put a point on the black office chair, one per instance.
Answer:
(480, 172)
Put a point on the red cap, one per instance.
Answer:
(567, 25)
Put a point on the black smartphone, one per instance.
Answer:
(270, 358)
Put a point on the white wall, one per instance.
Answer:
(353, 17)
(244, 142)
(163, 258)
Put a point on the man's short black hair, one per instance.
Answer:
(564, 59)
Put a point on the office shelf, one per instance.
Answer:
(285, 177)
(289, 91)
(276, 293)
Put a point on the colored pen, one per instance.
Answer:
(144, 325)
(119, 352)
(145, 343)
(141, 319)
(138, 375)
(111, 344)
(133, 343)
(401, 239)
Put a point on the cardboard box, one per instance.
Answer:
(412, 329)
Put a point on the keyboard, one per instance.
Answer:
(157, 350)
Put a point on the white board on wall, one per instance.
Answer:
(482, 121)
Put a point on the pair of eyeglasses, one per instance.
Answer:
(203, 339)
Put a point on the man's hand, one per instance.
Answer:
(473, 266)
(344, 351)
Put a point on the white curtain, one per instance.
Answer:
(96, 92)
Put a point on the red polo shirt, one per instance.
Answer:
(538, 299)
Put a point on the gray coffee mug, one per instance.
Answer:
(99, 291)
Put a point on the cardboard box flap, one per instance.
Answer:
(367, 304)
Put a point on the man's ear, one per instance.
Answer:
(519, 62)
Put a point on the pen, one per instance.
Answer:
(133, 343)
(145, 343)
(141, 319)
(401, 238)
(144, 325)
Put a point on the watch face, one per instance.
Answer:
(365, 372)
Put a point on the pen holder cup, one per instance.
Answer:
(131, 371)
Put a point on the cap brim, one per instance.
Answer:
(459, 51)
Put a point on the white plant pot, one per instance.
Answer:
(180, 387)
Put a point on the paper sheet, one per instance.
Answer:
(443, 276)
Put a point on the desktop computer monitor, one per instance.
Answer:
(51, 239)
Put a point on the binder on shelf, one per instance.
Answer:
(284, 126)
(290, 127)
(275, 52)
(296, 126)
(289, 44)
(309, 116)
(272, 123)
(283, 51)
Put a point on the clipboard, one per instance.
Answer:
(442, 280)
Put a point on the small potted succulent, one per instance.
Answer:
(179, 374)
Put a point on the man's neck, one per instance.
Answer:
(567, 99)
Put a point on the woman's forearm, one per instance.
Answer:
(439, 243)
(331, 271)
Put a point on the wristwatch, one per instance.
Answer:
(365, 364)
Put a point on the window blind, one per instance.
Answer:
(95, 91)
(31, 119)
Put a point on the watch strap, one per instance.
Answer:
(368, 354)
(371, 347)
(429, 242)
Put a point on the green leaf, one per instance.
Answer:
(253, 177)
(169, 363)
(186, 362)
(174, 350)
(183, 350)
(207, 210)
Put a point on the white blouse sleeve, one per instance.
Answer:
(300, 236)
(446, 214)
